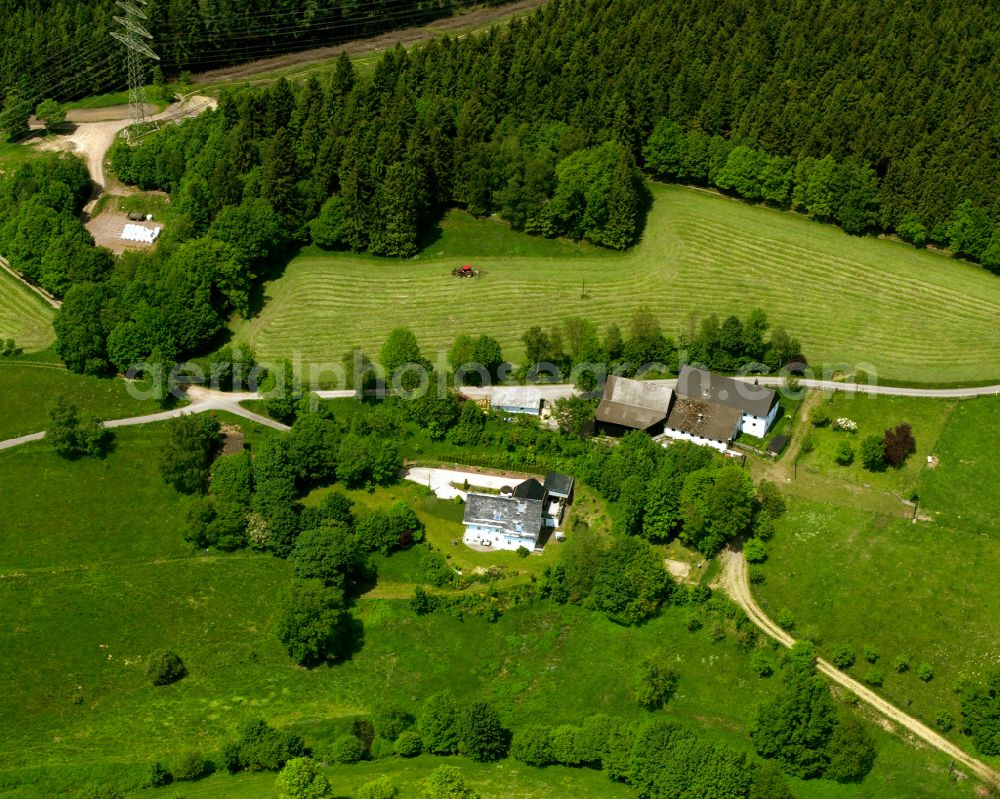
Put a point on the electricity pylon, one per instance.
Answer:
(134, 37)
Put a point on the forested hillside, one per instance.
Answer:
(63, 49)
(853, 113)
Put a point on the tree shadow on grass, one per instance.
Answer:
(274, 270)
(429, 236)
(353, 635)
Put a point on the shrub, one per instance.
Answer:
(482, 735)
(166, 668)
(763, 526)
(785, 619)
(301, 778)
(260, 747)
(820, 416)
(447, 782)
(74, 433)
(755, 551)
(762, 664)
(655, 683)
(566, 745)
(843, 657)
(694, 622)
(408, 744)
(871, 653)
(770, 499)
(755, 574)
(391, 722)
(434, 569)
(899, 444)
(808, 444)
(845, 453)
(874, 676)
(159, 775)
(851, 752)
(379, 788)
(346, 749)
(438, 724)
(523, 552)
(531, 746)
(944, 721)
(191, 766)
(902, 664)
(380, 749)
(846, 425)
(873, 453)
(925, 672)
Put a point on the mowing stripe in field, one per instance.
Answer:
(914, 315)
(24, 316)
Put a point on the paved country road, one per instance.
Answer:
(203, 399)
(558, 390)
(734, 582)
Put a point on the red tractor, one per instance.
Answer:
(465, 270)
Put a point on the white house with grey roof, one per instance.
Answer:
(517, 399)
(519, 520)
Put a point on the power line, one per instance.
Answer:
(133, 39)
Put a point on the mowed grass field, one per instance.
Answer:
(101, 579)
(24, 316)
(907, 314)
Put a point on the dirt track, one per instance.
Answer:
(94, 139)
(384, 41)
(106, 114)
(734, 582)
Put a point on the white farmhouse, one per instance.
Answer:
(758, 405)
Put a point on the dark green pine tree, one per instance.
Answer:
(279, 107)
(280, 174)
(355, 190)
(623, 205)
(396, 214)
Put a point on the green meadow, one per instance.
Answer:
(960, 490)
(28, 385)
(96, 577)
(926, 417)
(914, 581)
(862, 302)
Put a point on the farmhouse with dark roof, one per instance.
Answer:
(633, 405)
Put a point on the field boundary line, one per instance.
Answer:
(49, 299)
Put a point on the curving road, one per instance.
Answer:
(203, 399)
(734, 582)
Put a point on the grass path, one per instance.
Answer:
(735, 583)
(912, 315)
